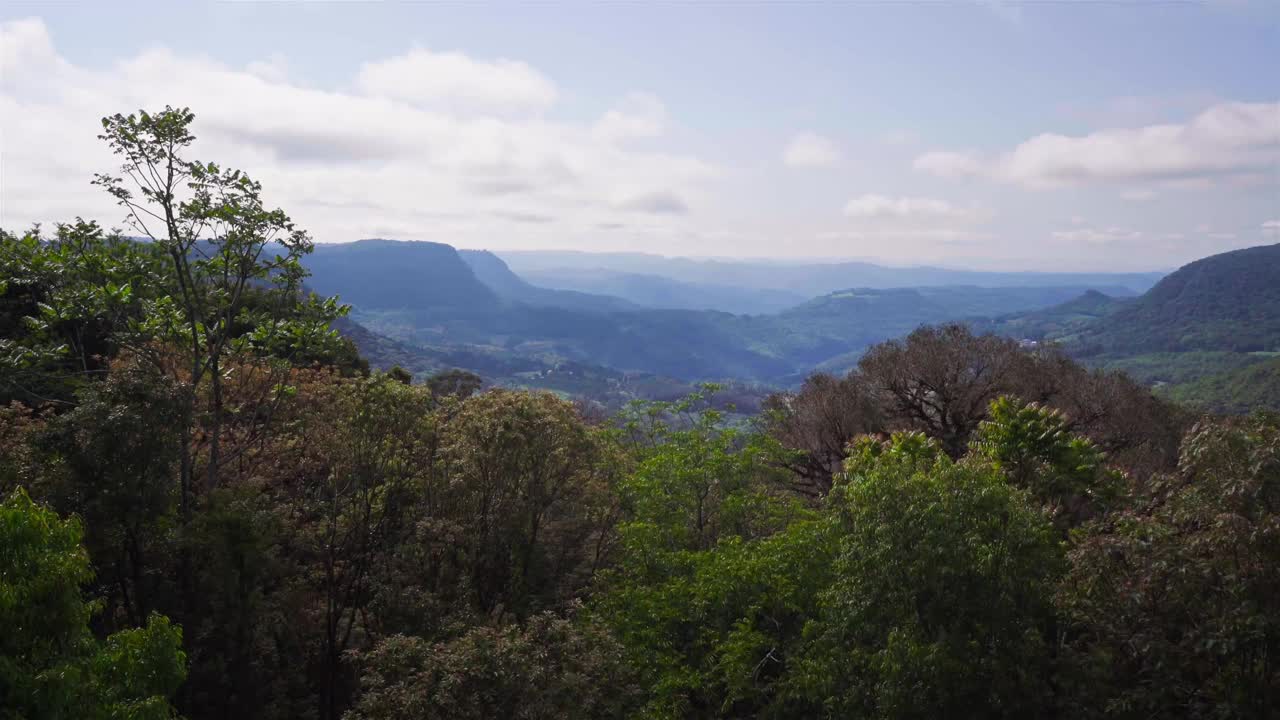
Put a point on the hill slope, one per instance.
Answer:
(1253, 387)
(1061, 323)
(1204, 334)
(494, 273)
(397, 274)
(1225, 302)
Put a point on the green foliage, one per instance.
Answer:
(1223, 302)
(1172, 600)
(714, 632)
(548, 668)
(1254, 386)
(715, 571)
(1059, 323)
(526, 476)
(940, 603)
(1035, 450)
(110, 460)
(233, 277)
(455, 383)
(64, 306)
(50, 664)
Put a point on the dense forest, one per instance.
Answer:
(1206, 335)
(213, 508)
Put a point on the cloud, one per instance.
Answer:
(809, 150)
(26, 44)
(928, 236)
(274, 69)
(441, 158)
(524, 217)
(1097, 236)
(639, 115)
(1229, 139)
(457, 82)
(1271, 229)
(662, 202)
(882, 207)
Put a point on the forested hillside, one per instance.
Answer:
(1198, 334)
(1226, 302)
(211, 508)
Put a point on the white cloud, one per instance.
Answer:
(1097, 236)
(1271, 229)
(26, 44)
(661, 202)
(639, 115)
(457, 82)
(274, 69)
(926, 236)
(882, 207)
(456, 160)
(1229, 139)
(1138, 194)
(810, 150)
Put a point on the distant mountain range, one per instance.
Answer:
(469, 305)
(808, 279)
(1206, 334)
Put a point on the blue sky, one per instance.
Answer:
(1066, 135)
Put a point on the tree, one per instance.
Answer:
(943, 579)
(715, 575)
(817, 424)
(234, 272)
(64, 302)
(360, 457)
(547, 668)
(51, 666)
(524, 481)
(940, 380)
(455, 383)
(110, 460)
(1172, 601)
(1033, 448)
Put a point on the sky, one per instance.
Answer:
(992, 135)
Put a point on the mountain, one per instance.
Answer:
(656, 291)
(1060, 322)
(397, 274)
(494, 273)
(805, 278)
(1205, 334)
(469, 310)
(1229, 301)
(832, 330)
